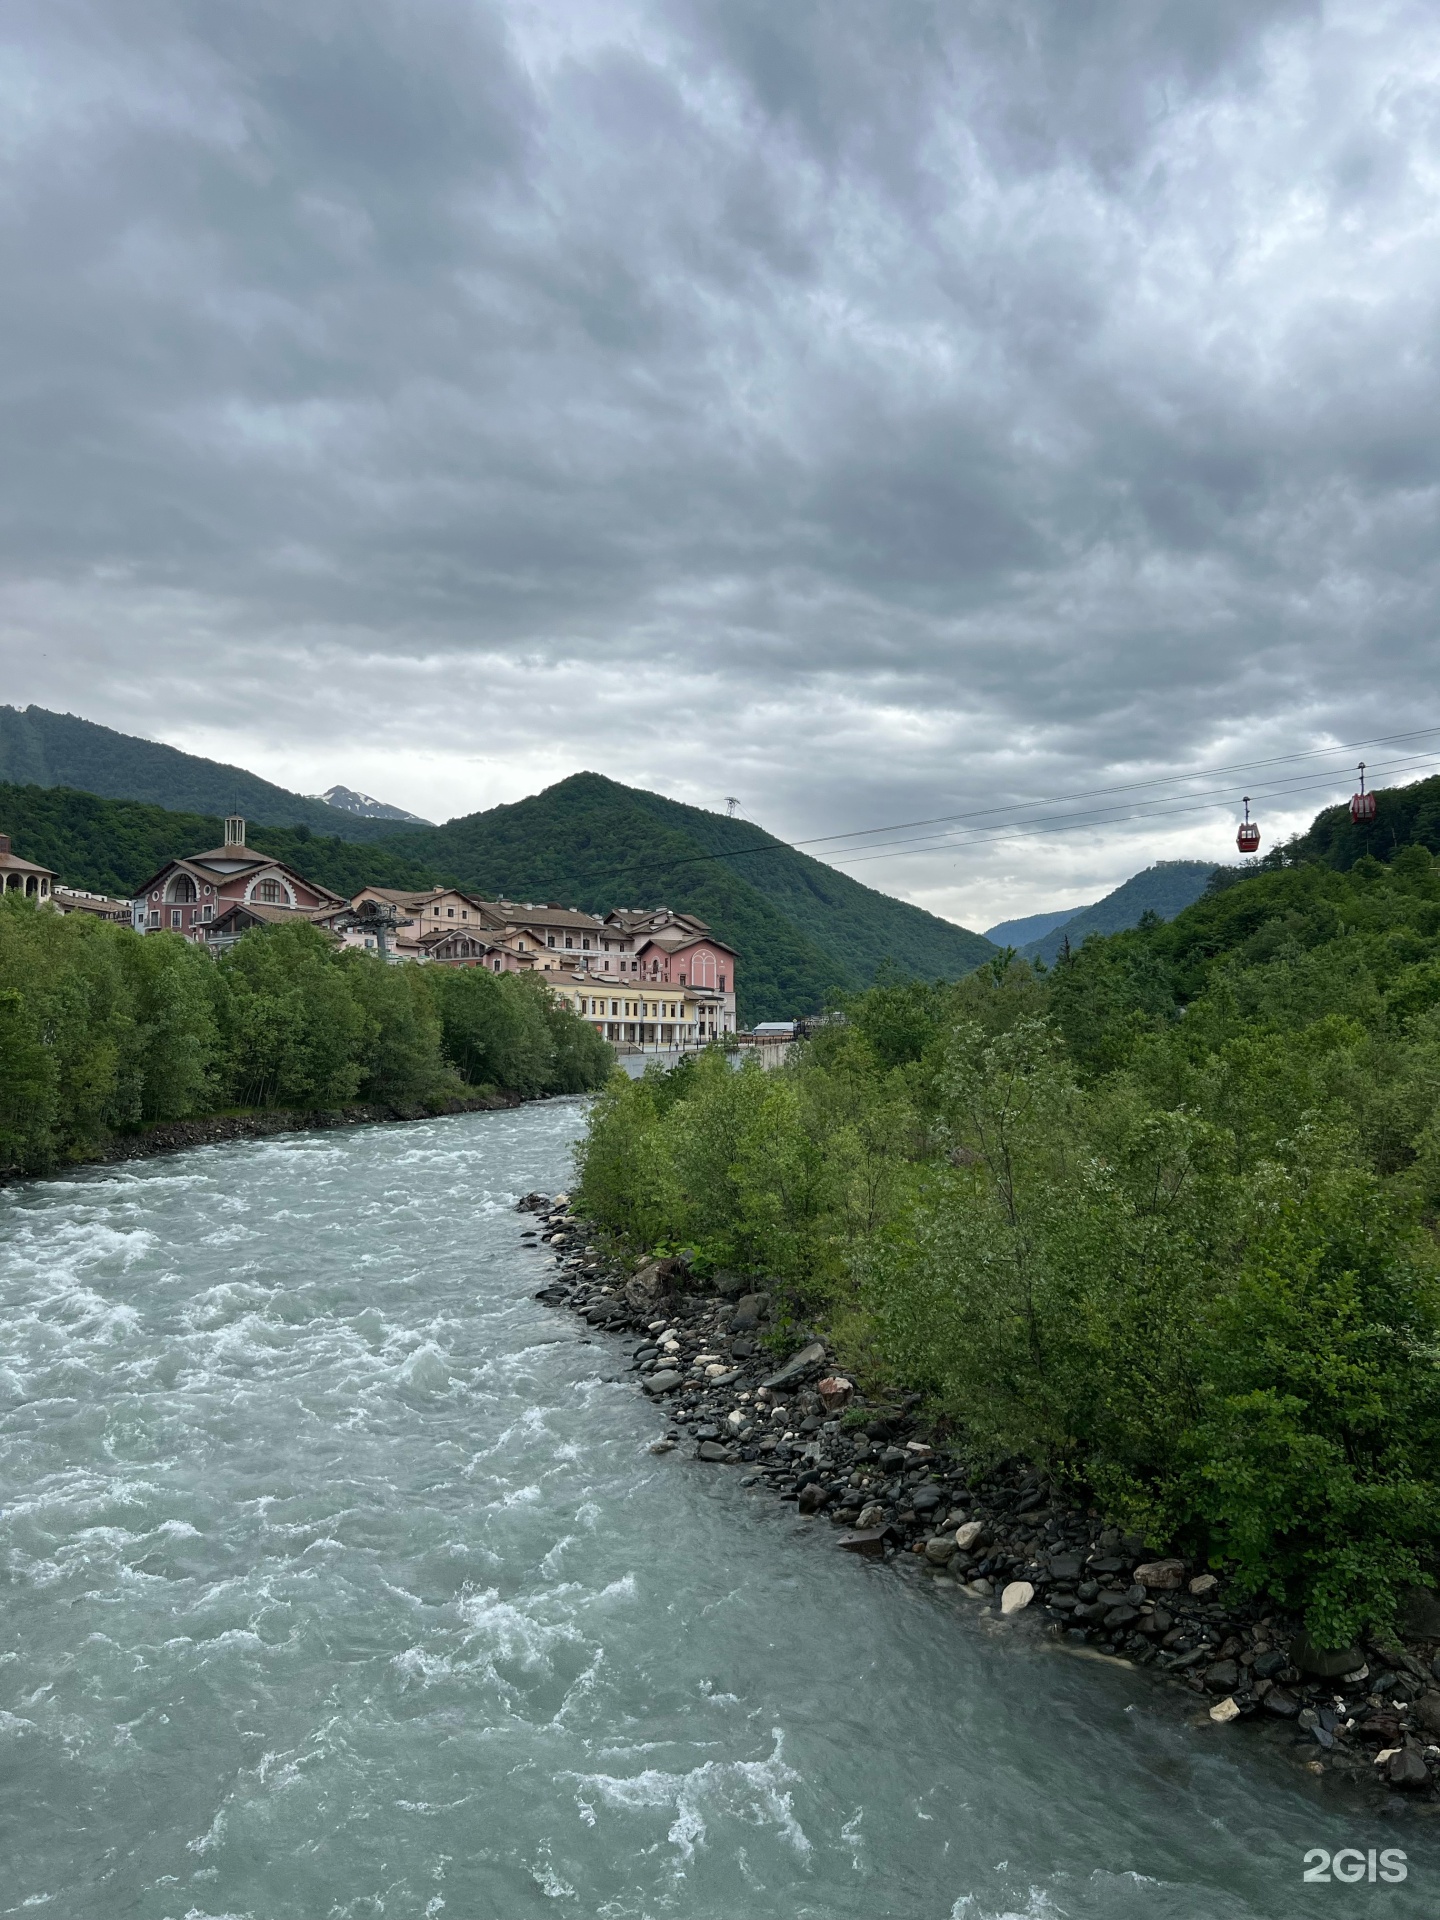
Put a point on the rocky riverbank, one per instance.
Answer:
(174, 1136)
(1004, 1537)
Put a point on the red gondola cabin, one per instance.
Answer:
(1248, 838)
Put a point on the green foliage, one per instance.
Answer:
(103, 1031)
(1163, 1218)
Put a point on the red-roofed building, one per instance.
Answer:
(219, 895)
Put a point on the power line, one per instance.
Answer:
(1164, 806)
(1131, 786)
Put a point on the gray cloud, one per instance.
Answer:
(860, 409)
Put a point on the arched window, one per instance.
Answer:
(181, 888)
(270, 892)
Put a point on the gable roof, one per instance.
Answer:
(226, 863)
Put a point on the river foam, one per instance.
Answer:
(340, 1581)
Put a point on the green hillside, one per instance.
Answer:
(803, 932)
(864, 927)
(1404, 816)
(1165, 889)
(43, 749)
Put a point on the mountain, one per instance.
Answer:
(803, 931)
(347, 800)
(1165, 889)
(1034, 926)
(43, 749)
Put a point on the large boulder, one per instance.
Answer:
(798, 1366)
(1326, 1663)
(1420, 1614)
(1161, 1576)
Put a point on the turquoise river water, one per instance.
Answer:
(339, 1580)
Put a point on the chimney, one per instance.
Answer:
(235, 831)
(4, 843)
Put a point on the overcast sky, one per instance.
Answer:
(870, 411)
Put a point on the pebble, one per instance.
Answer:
(1016, 1596)
(1224, 1710)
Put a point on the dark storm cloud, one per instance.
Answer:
(1021, 389)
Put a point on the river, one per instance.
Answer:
(339, 1581)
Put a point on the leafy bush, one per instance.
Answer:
(1163, 1219)
(102, 1030)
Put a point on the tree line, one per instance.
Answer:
(103, 1031)
(1162, 1218)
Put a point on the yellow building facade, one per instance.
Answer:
(646, 1015)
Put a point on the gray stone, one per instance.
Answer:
(1064, 1566)
(926, 1499)
(1406, 1769)
(1222, 1677)
(870, 1516)
(1420, 1614)
(665, 1381)
(801, 1363)
(1326, 1663)
(749, 1312)
(1120, 1616)
(1267, 1665)
(712, 1450)
(1427, 1711)
(1161, 1576)
(869, 1541)
(940, 1552)
(1280, 1700)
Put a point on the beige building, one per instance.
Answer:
(23, 876)
(652, 1018)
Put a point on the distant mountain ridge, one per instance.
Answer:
(1165, 890)
(347, 800)
(1032, 926)
(44, 749)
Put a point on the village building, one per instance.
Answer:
(556, 937)
(217, 896)
(25, 877)
(678, 949)
(621, 1013)
(441, 924)
(76, 900)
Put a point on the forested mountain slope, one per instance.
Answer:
(1165, 889)
(43, 749)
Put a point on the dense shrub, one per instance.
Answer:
(102, 1030)
(1163, 1218)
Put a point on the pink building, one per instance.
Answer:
(677, 949)
(219, 895)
